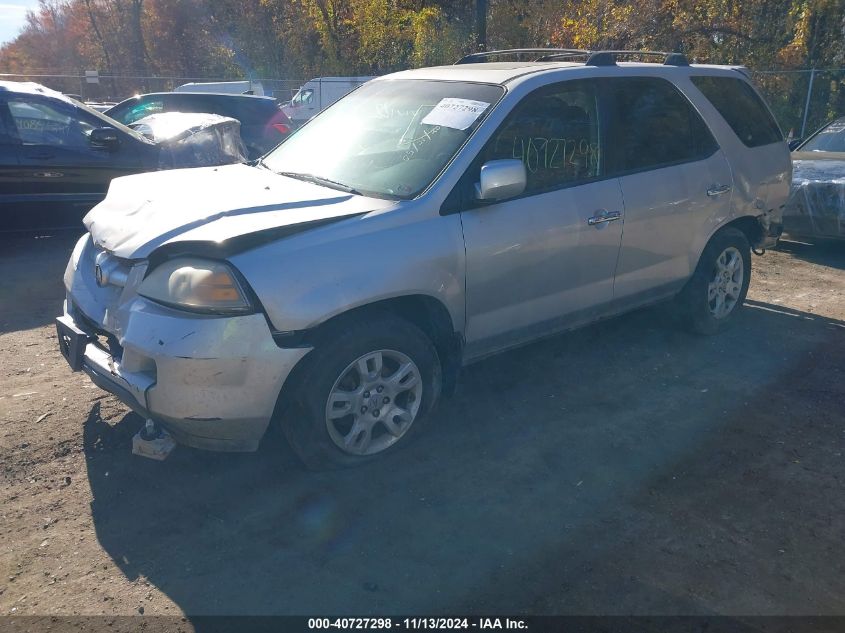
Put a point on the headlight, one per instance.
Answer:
(196, 284)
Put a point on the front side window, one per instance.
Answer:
(388, 138)
(303, 97)
(742, 108)
(555, 133)
(655, 125)
(41, 123)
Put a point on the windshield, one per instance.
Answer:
(388, 138)
(829, 139)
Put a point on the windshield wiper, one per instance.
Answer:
(319, 180)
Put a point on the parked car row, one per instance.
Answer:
(58, 156)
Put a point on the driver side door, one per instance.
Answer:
(545, 260)
(60, 174)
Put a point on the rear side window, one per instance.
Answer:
(742, 108)
(654, 125)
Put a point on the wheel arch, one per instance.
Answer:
(748, 225)
(427, 313)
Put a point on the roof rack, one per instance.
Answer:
(609, 58)
(539, 53)
(593, 58)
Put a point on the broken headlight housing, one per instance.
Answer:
(199, 285)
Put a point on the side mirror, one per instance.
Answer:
(104, 137)
(501, 179)
(794, 143)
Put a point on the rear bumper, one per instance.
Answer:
(211, 382)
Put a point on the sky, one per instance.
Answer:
(13, 17)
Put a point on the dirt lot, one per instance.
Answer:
(625, 468)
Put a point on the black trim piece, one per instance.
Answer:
(601, 59)
(676, 59)
(236, 245)
(294, 339)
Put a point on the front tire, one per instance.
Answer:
(366, 389)
(715, 293)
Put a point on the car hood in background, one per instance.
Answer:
(193, 139)
(212, 204)
(818, 166)
(817, 202)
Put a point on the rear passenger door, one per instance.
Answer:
(674, 177)
(545, 259)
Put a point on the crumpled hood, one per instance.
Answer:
(145, 211)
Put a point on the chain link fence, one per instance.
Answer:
(802, 100)
(113, 88)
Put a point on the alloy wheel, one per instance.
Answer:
(725, 287)
(374, 402)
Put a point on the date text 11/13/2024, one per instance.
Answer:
(417, 623)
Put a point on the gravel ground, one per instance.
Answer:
(627, 468)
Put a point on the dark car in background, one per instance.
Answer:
(58, 156)
(816, 208)
(263, 124)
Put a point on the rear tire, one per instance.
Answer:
(715, 293)
(366, 389)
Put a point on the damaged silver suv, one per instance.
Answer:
(428, 219)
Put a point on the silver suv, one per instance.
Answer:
(428, 219)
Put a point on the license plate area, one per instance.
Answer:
(72, 342)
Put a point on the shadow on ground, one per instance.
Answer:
(824, 252)
(31, 290)
(624, 468)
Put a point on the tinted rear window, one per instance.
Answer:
(742, 108)
(655, 125)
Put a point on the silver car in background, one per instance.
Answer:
(430, 218)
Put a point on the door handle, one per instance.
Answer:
(603, 217)
(40, 156)
(717, 190)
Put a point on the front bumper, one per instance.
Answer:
(212, 382)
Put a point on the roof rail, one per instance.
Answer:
(542, 54)
(608, 58)
(593, 58)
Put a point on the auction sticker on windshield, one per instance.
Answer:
(458, 114)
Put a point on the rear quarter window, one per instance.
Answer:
(742, 108)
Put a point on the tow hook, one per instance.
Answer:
(760, 252)
(153, 442)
